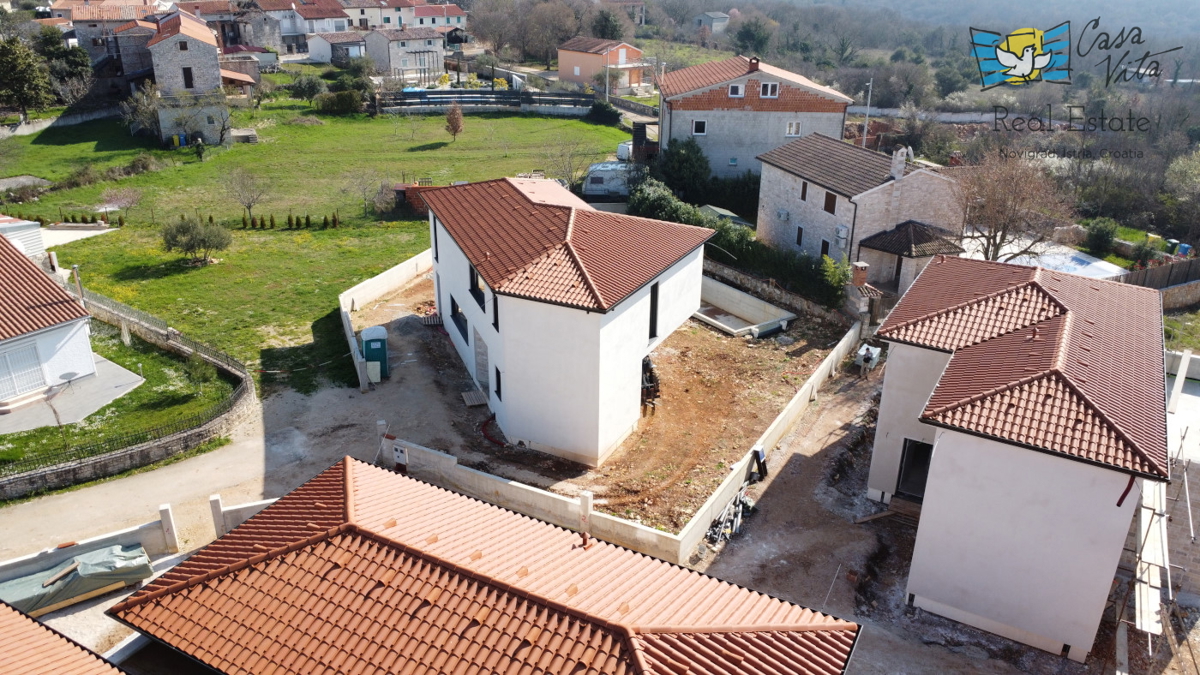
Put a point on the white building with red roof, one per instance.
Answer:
(1024, 410)
(553, 306)
(740, 108)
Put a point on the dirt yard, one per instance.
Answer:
(719, 394)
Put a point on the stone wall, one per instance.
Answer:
(1181, 295)
(767, 289)
(169, 62)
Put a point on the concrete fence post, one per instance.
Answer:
(170, 534)
(218, 514)
(585, 511)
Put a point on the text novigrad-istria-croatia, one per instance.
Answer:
(1076, 120)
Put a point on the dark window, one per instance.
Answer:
(498, 397)
(457, 316)
(824, 247)
(699, 127)
(799, 236)
(361, 12)
(183, 45)
(476, 287)
(804, 191)
(435, 239)
(914, 469)
(596, 180)
(496, 312)
(654, 310)
(187, 78)
(830, 202)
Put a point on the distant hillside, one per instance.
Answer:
(1160, 20)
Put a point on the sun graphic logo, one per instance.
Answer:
(1023, 56)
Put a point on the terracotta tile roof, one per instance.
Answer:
(207, 7)
(362, 4)
(135, 24)
(439, 10)
(1051, 361)
(591, 45)
(913, 239)
(536, 240)
(29, 300)
(321, 10)
(110, 12)
(705, 75)
(54, 21)
(833, 164)
(418, 33)
(275, 5)
(365, 571)
(236, 76)
(182, 23)
(31, 648)
(342, 38)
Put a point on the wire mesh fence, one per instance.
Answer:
(75, 453)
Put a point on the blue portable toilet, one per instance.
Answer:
(1184, 249)
(374, 349)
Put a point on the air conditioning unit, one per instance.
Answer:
(782, 214)
(843, 232)
(842, 243)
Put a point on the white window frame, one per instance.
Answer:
(733, 161)
(737, 91)
(769, 87)
(576, 71)
(700, 133)
(793, 129)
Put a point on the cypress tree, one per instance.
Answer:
(307, 221)
(325, 223)
(245, 222)
(291, 222)
(272, 221)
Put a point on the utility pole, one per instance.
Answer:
(870, 89)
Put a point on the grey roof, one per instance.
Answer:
(832, 164)
(419, 33)
(342, 38)
(913, 239)
(717, 15)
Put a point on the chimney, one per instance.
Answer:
(858, 274)
(753, 64)
(899, 158)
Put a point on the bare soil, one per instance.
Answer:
(719, 394)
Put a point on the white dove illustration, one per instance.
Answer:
(1023, 65)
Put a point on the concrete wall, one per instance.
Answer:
(204, 120)
(442, 469)
(36, 126)
(1172, 363)
(1181, 295)
(761, 315)
(767, 288)
(357, 296)
(319, 50)
(225, 518)
(923, 196)
(158, 537)
(65, 352)
(1019, 542)
(909, 379)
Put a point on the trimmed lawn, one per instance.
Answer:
(270, 302)
(652, 101)
(168, 395)
(678, 55)
(308, 166)
(1183, 330)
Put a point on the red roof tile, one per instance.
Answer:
(29, 300)
(534, 239)
(412, 578)
(186, 24)
(710, 74)
(321, 10)
(439, 10)
(1047, 360)
(81, 13)
(30, 648)
(592, 45)
(207, 7)
(135, 24)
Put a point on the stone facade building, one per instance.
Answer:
(414, 51)
(739, 108)
(190, 80)
(822, 196)
(95, 27)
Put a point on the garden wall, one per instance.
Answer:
(770, 291)
(359, 295)
(1181, 295)
(35, 126)
(442, 469)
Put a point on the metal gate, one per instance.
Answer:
(20, 372)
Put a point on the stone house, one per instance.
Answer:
(336, 48)
(299, 18)
(95, 26)
(740, 108)
(823, 196)
(715, 22)
(190, 80)
(130, 40)
(413, 51)
(1023, 421)
(581, 59)
(554, 306)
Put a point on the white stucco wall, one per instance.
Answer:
(1019, 542)
(65, 351)
(318, 49)
(909, 379)
(571, 379)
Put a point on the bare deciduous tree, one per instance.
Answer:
(75, 89)
(140, 111)
(247, 188)
(568, 160)
(1011, 207)
(364, 184)
(123, 199)
(454, 120)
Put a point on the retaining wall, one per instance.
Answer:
(358, 296)
(158, 537)
(1172, 364)
(770, 291)
(761, 315)
(35, 126)
(225, 518)
(568, 111)
(443, 469)
(1181, 295)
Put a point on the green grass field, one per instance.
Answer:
(308, 166)
(271, 301)
(677, 55)
(167, 395)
